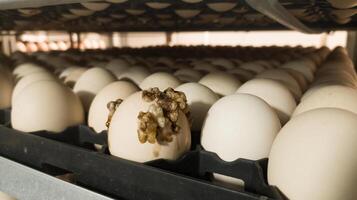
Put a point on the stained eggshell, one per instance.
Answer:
(199, 98)
(313, 156)
(274, 93)
(162, 80)
(98, 112)
(90, 83)
(221, 83)
(240, 126)
(333, 96)
(46, 105)
(123, 137)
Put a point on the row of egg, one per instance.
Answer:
(235, 116)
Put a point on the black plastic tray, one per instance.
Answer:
(186, 178)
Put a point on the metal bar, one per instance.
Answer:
(25, 183)
(15, 4)
(352, 46)
(274, 10)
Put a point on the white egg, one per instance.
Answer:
(25, 69)
(240, 126)
(242, 74)
(118, 66)
(73, 76)
(285, 78)
(135, 74)
(98, 112)
(81, 12)
(63, 75)
(162, 80)
(302, 68)
(221, 6)
(334, 96)
(199, 98)
(253, 67)
(27, 80)
(313, 156)
(123, 136)
(343, 4)
(225, 63)
(299, 77)
(46, 105)
(188, 74)
(90, 83)
(274, 93)
(187, 13)
(95, 6)
(6, 89)
(158, 5)
(221, 83)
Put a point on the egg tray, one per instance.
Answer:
(186, 178)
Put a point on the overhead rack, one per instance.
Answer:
(309, 16)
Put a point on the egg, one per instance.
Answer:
(205, 67)
(343, 4)
(25, 69)
(162, 80)
(333, 96)
(135, 74)
(221, 6)
(253, 67)
(46, 105)
(299, 77)
(188, 74)
(90, 83)
(6, 89)
(302, 68)
(118, 66)
(128, 138)
(66, 72)
(225, 63)
(73, 76)
(240, 126)
(274, 93)
(98, 112)
(95, 6)
(27, 80)
(313, 156)
(187, 13)
(199, 99)
(242, 74)
(221, 83)
(285, 78)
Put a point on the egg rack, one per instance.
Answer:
(166, 15)
(186, 178)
